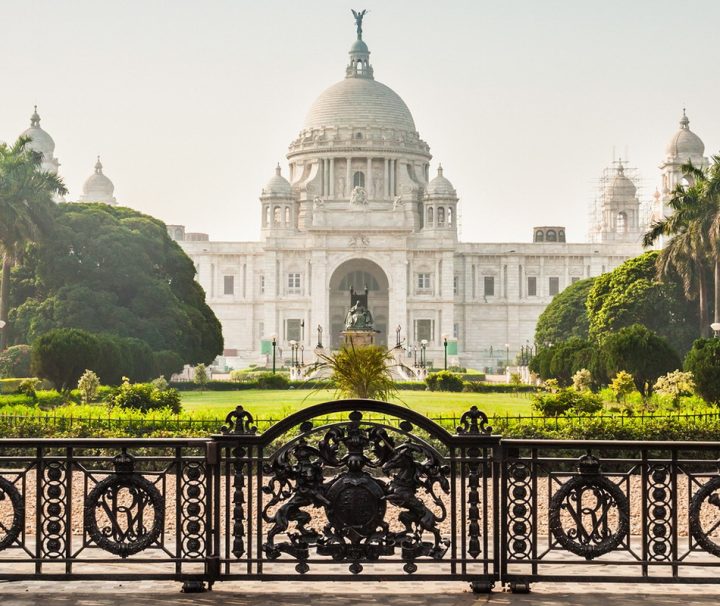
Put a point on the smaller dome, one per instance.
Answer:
(685, 142)
(277, 185)
(97, 187)
(40, 141)
(440, 186)
(359, 47)
(621, 187)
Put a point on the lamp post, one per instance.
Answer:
(397, 336)
(302, 355)
(319, 331)
(423, 353)
(293, 353)
(274, 345)
(415, 356)
(507, 355)
(445, 346)
(715, 327)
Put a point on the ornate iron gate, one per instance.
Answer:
(361, 490)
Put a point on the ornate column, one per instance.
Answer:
(386, 180)
(348, 180)
(332, 177)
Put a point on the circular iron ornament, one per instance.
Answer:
(599, 539)
(134, 538)
(9, 491)
(706, 493)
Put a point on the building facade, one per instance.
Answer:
(361, 208)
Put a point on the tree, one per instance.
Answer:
(569, 357)
(633, 294)
(88, 385)
(703, 361)
(642, 353)
(15, 362)
(200, 378)
(622, 385)
(582, 380)
(62, 355)
(566, 316)
(114, 270)
(693, 226)
(26, 207)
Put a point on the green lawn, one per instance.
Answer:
(275, 404)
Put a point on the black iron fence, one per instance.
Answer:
(363, 490)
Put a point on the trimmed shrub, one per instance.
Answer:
(269, 380)
(145, 397)
(473, 387)
(88, 386)
(703, 361)
(444, 381)
(564, 400)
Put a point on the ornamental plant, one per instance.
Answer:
(361, 372)
(145, 397)
(622, 385)
(88, 385)
(675, 384)
(444, 380)
(582, 380)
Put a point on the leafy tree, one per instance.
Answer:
(200, 378)
(693, 250)
(582, 380)
(566, 400)
(15, 362)
(88, 386)
(26, 205)
(632, 294)
(642, 353)
(703, 361)
(675, 384)
(114, 270)
(622, 385)
(167, 363)
(568, 357)
(62, 355)
(566, 316)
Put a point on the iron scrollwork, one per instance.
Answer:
(17, 519)
(354, 501)
(590, 497)
(125, 499)
(707, 493)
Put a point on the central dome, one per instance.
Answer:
(360, 102)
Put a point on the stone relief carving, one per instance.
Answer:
(359, 240)
(318, 202)
(398, 202)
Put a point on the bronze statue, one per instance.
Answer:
(358, 20)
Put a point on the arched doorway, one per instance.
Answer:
(358, 274)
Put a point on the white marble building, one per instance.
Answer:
(360, 208)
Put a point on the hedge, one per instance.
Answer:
(474, 387)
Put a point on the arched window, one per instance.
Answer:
(551, 236)
(287, 215)
(267, 215)
(561, 235)
(449, 215)
(359, 179)
(441, 216)
(276, 215)
(621, 222)
(539, 236)
(358, 135)
(430, 215)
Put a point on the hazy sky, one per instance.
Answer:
(191, 104)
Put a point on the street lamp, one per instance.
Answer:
(274, 345)
(423, 353)
(715, 326)
(302, 355)
(293, 353)
(319, 331)
(507, 355)
(445, 346)
(397, 336)
(415, 356)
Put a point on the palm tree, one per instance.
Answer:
(692, 250)
(26, 203)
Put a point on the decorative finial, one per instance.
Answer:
(440, 170)
(358, 21)
(35, 118)
(278, 169)
(98, 166)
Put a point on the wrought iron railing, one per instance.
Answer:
(364, 490)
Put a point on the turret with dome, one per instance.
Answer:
(98, 188)
(42, 142)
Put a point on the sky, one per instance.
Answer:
(524, 102)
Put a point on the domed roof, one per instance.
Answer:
(360, 102)
(359, 46)
(97, 187)
(40, 141)
(621, 186)
(440, 186)
(685, 142)
(277, 185)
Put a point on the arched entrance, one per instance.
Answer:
(358, 274)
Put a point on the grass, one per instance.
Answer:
(274, 404)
